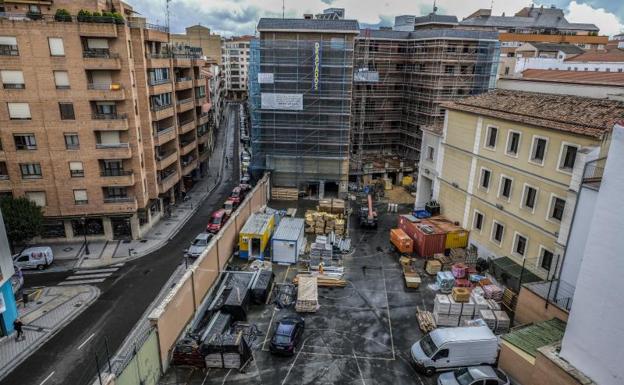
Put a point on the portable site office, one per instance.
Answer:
(288, 242)
(254, 236)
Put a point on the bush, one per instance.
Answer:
(62, 15)
(118, 18)
(84, 15)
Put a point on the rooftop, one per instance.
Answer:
(574, 114)
(610, 54)
(577, 77)
(432, 18)
(336, 25)
(534, 336)
(554, 47)
(438, 33)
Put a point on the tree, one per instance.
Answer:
(23, 220)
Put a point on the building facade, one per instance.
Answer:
(8, 307)
(200, 36)
(108, 128)
(506, 166)
(235, 58)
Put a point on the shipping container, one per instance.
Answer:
(254, 236)
(456, 236)
(401, 241)
(407, 223)
(288, 242)
(428, 238)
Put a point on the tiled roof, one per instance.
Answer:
(435, 18)
(574, 114)
(435, 33)
(529, 18)
(580, 77)
(554, 47)
(531, 337)
(608, 55)
(276, 24)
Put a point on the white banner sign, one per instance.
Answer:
(289, 102)
(265, 78)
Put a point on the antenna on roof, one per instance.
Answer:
(492, 6)
(435, 8)
(283, 8)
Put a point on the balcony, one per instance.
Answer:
(165, 135)
(186, 147)
(115, 177)
(160, 87)
(186, 126)
(165, 184)
(185, 104)
(203, 119)
(201, 100)
(592, 175)
(155, 32)
(110, 122)
(183, 83)
(166, 160)
(101, 60)
(102, 91)
(189, 167)
(113, 150)
(162, 112)
(97, 29)
(200, 81)
(158, 60)
(120, 203)
(182, 60)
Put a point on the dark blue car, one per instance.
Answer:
(287, 334)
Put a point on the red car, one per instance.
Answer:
(217, 220)
(237, 195)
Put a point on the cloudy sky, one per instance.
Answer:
(237, 17)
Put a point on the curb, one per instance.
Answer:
(33, 348)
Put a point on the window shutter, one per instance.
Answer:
(80, 195)
(61, 78)
(19, 110)
(12, 77)
(97, 43)
(38, 197)
(75, 166)
(109, 137)
(56, 46)
(101, 77)
(8, 40)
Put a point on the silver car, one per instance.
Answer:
(474, 375)
(198, 245)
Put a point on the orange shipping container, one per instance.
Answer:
(401, 241)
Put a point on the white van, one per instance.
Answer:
(34, 258)
(449, 348)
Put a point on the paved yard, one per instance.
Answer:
(360, 335)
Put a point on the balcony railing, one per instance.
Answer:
(111, 145)
(166, 176)
(115, 172)
(163, 107)
(104, 86)
(97, 116)
(185, 122)
(162, 55)
(594, 170)
(162, 131)
(183, 79)
(184, 101)
(118, 199)
(99, 54)
(157, 82)
(155, 27)
(164, 155)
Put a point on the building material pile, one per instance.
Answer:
(226, 351)
(433, 266)
(497, 320)
(493, 292)
(284, 194)
(321, 223)
(425, 320)
(411, 276)
(448, 312)
(445, 280)
(461, 294)
(323, 280)
(307, 294)
(332, 206)
(261, 286)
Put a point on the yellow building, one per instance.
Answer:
(200, 36)
(510, 166)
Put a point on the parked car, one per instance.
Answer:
(245, 187)
(237, 195)
(217, 220)
(450, 348)
(245, 158)
(474, 375)
(198, 245)
(287, 335)
(34, 258)
(229, 206)
(245, 179)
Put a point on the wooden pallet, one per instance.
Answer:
(425, 320)
(284, 194)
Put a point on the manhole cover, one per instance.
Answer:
(68, 249)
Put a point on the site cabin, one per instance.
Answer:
(254, 236)
(403, 243)
(288, 242)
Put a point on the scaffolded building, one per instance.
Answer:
(300, 97)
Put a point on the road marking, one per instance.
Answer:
(95, 271)
(295, 360)
(383, 274)
(85, 341)
(118, 264)
(358, 367)
(88, 276)
(66, 283)
(47, 378)
(266, 335)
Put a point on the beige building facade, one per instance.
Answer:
(200, 36)
(107, 128)
(235, 57)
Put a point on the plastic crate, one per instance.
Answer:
(422, 214)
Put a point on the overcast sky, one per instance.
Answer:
(237, 17)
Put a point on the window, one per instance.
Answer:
(116, 192)
(160, 101)
(12, 79)
(4, 172)
(61, 80)
(38, 197)
(505, 187)
(25, 141)
(567, 157)
(444, 353)
(8, 46)
(105, 109)
(520, 245)
(498, 231)
(80, 197)
(485, 178)
(530, 197)
(557, 205)
(71, 141)
(19, 111)
(159, 76)
(67, 111)
(478, 221)
(513, 143)
(538, 150)
(56, 46)
(30, 170)
(76, 169)
(430, 152)
(492, 134)
(546, 258)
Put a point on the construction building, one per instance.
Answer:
(235, 58)
(301, 82)
(108, 127)
(201, 37)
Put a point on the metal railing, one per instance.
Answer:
(111, 145)
(97, 116)
(119, 199)
(99, 54)
(14, 86)
(154, 27)
(184, 101)
(163, 55)
(159, 81)
(163, 107)
(594, 170)
(104, 86)
(115, 172)
(9, 50)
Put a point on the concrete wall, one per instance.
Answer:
(144, 368)
(516, 363)
(531, 308)
(594, 335)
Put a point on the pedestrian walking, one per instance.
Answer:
(17, 325)
(227, 161)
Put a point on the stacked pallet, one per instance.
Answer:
(493, 292)
(461, 294)
(284, 194)
(332, 206)
(497, 320)
(307, 294)
(322, 251)
(227, 351)
(323, 223)
(433, 266)
(445, 281)
(448, 312)
(323, 280)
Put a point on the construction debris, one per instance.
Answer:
(323, 280)
(425, 320)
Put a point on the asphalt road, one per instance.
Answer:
(64, 359)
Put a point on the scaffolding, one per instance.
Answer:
(300, 99)
(413, 74)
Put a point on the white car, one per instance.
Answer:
(198, 245)
(474, 375)
(34, 258)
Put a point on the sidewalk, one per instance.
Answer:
(43, 318)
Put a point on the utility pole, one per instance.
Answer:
(283, 8)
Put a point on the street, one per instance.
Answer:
(70, 356)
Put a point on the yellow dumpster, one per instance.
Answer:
(407, 180)
(456, 236)
(254, 236)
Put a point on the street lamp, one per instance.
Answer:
(84, 231)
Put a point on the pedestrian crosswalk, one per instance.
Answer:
(90, 276)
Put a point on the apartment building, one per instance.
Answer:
(8, 306)
(108, 127)
(505, 170)
(300, 97)
(202, 37)
(235, 59)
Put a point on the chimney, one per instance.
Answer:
(307, 16)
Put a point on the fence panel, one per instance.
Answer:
(144, 367)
